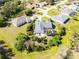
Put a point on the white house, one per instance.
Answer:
(67, 10)
(60, 18)
(42, 26)
(74, 7)
(20, 20)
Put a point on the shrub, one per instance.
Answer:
(21, 38)
(29, 12)
(55, 41)
(11, 8)
(2, 21)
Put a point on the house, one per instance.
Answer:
(75, 3)
(73, 7)
(20, 20)
(42, 27)
(68, 12)
(61, 18)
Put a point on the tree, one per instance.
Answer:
(19, 46)
(21, 38)
(55, 41)
(5, 52)
(11, 8)
(29, 12)
(1, 56)
(2, 21)
(30, 29)
(62, 31)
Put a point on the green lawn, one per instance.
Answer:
(53, 12)
(44, 18)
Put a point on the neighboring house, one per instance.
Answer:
(68, 12)
(20, 21)
(42, 27)
(73, 7)
(75, 3)
(60, 18)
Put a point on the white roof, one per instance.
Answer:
(60, 18)
(67, 11)
(19, 21)
(38, 27)
(47, 24)
(73, 7)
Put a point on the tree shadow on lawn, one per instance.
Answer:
(6, 52)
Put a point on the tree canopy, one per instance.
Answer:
(55, 41)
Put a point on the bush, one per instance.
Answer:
(63, 31)
(19, 46)
(21, 38)
(55, 41)
(2, 21)
(29, 12)
(30, 29)
(11, 8)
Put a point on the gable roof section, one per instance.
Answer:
(47, 24)
(38, 27)
(19, 21)
(60, 18)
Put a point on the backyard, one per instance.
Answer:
(11, 33)
(10, 39)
